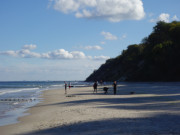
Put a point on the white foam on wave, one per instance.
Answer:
(15, 103)
(57, 85)
(2, 92)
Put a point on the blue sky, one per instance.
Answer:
(68, 39)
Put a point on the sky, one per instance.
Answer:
(62, 40)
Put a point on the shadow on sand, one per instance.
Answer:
(160, 97)
(156, 125)
(164, 97)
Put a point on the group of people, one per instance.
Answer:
(114, 87)
(65, 85)
(94, 86)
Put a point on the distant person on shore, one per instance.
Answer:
(69, 85)
(101, 82)
(95, 87)
(65, 86)
(115, 87)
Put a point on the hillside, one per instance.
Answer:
(157, 58)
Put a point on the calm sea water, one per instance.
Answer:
(17, 97)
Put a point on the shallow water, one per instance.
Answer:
(17, 97)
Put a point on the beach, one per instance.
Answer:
(137, 109)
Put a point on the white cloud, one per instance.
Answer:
(56, 55)
(111, 10)
(24, 53)
(96, 47)
(109, 36)
(153, 20)
(78, 55)
(75, 66)
(29, 47)
(66, 6)
(78, 69)
(175, 18)
(101, 57)
(9, 53)
(165, 18)
(123, 36)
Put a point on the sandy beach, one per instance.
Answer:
(152, 109)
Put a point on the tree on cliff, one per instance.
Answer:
(155, 59)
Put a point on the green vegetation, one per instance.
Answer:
(157, 58)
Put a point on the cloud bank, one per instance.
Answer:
(59, 54)
(111, 10)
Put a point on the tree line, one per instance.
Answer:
(156, 58)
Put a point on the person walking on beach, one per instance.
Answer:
(95, 87)
(114, 87)
(69, 85)
(65, 86)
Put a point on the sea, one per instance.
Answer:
(17, 96)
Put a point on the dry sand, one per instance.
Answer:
(153, 109)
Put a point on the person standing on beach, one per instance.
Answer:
(65, 86)
(101, 82)
(115, 87)
(95, 87)
(69, 85)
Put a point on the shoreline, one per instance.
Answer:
(26, 118)
(150, 110)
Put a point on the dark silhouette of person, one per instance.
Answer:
(115, 87)
(95, 87)
(65, 86)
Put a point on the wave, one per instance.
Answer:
(57, 85)
(6, 91)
